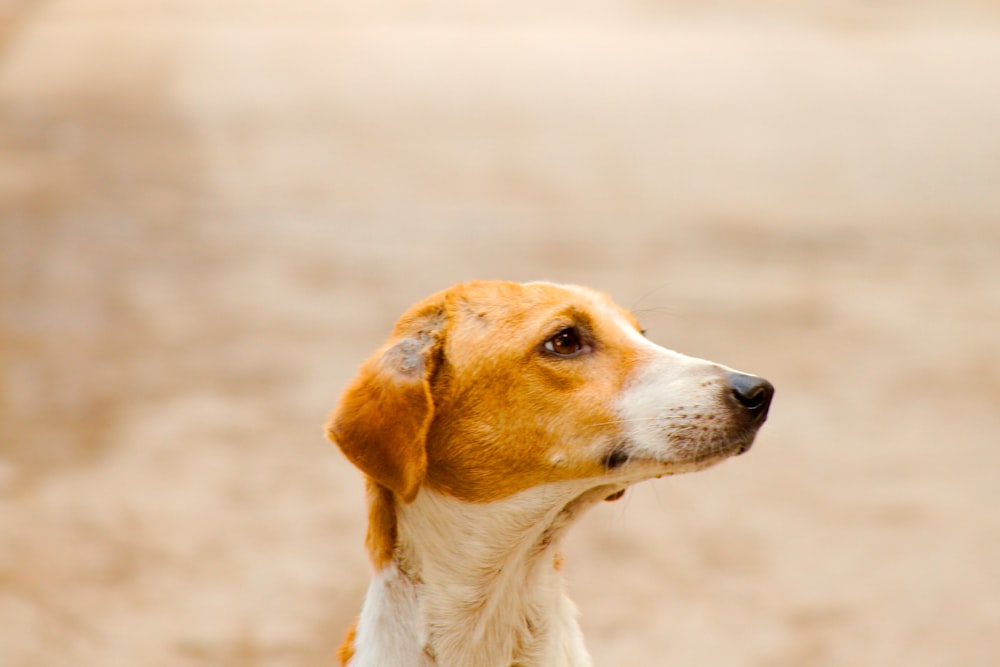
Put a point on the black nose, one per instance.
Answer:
(751, 393)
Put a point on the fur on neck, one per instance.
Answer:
(476, 584)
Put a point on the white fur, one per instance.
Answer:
(387, 633)
(486, 583)
(669, 407)
(475, 585)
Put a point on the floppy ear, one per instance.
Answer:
(382, 419)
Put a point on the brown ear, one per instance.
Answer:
(382, 420)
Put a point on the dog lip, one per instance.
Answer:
(616, 458)
(714, 452)
(738, 442)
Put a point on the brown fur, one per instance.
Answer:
(382, 420)
(346, 650)
(462, 399)
(489, 389)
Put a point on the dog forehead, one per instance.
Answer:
(506, 317)
(599, 309)
(506, 303)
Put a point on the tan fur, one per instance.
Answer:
(481, 443)
(382, 420)
(475, 439)
(509, 418)
(346, 650)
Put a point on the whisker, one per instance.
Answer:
(663, 310)
(625, 421)
(635, 304)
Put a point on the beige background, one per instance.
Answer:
(211, 211)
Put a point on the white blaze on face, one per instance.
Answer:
(673, 407)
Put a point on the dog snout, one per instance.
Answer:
(752, 395)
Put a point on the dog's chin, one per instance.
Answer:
(631, 469)
(713, 453)
(690, 458)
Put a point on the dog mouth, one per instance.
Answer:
(687, 457)
(623, 460)
(706, 453)
(617, 457)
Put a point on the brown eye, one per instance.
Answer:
(566, 343)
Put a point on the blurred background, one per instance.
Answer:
(211, 211)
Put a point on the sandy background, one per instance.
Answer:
(211, 211)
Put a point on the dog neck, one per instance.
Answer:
(478, 584)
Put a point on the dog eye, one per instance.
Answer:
(566, 343)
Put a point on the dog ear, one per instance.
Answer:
(382, 419)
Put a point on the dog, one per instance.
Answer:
(496, 413)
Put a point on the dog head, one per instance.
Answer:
(489, 388)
